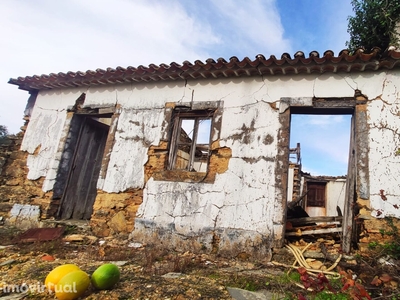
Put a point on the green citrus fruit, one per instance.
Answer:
(105, 276)
(57, 273)
(72, 285)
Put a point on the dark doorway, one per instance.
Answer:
(84, 168)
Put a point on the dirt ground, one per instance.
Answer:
(152, 273)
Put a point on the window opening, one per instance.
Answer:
(190, 141)
(316, 194)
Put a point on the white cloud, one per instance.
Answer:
(324, 120)
(324, 142)
(51, 36)
(255, 27)
(44, 36)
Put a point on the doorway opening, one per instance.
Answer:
(322, 143)
(318, 167)
(81, 164)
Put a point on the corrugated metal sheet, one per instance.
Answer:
(358, 61)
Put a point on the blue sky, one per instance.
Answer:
(45, 36)
(324, 142)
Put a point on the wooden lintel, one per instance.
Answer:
(315, 231)
(107, 110)
(321, 219)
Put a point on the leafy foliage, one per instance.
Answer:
(3, 132)
(316, 284)
(373, 24)
(353, 288)
(324, 290)
(392, 247)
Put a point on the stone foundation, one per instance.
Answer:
(226, 242)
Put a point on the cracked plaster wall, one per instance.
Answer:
(43, 134)
(384, 142)
(244, 197)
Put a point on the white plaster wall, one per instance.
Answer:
(44, 133)
(138, 95)
(290, 183)
(245, 195)
(335, 195)
(384, 164)
(136, 131)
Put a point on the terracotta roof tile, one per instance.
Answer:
(358, 61)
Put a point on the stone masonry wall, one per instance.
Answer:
(114, 213)
(14, 185)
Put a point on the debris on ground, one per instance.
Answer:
(150, 272)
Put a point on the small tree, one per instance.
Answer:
(3, 132)
(374, 24)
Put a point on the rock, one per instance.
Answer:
(239, 294)
(172, 275)
(120, 263)
(7, 262)
(315, 264)
(135, 245)
(24, 216)
(74, 238)
(5, 247)
(118, 222)
(80, 238)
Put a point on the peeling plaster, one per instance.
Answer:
(384, 141)
(136, 131)
(247, 200)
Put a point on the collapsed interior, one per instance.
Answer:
(315, 202)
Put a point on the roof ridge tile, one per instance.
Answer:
(346, 61)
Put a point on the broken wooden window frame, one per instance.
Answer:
(176, 142)
(316, 194)
(160, 163)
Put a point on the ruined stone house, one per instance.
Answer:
(197, 155)
(317, 195)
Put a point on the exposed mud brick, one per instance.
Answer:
(14, 187)
(219, 161)
(114, 213)
(380, 230)
(158, 159)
